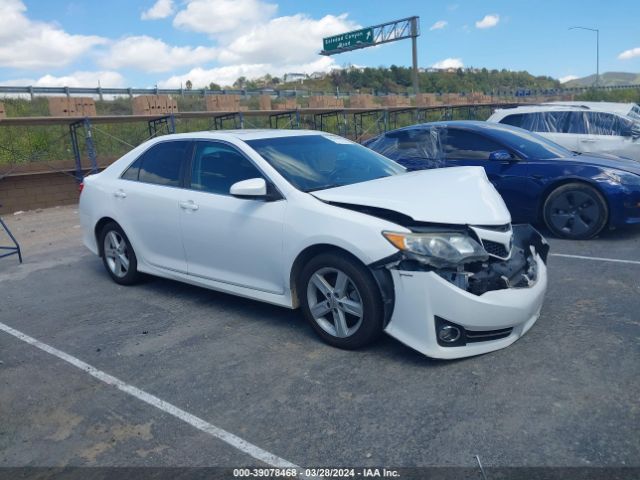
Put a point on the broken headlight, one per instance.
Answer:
(439, 248)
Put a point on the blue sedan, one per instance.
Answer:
(576, 196)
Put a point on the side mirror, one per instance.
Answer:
(253, 188)
(501, 155)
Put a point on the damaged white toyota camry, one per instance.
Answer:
(311, 220)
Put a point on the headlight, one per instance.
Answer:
(439, 249)
(623, 178)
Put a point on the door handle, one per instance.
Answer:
(189, 205)
(588, 140)
(120, 194)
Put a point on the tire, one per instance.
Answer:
(575, 211)
(118, 256)
(332, 309)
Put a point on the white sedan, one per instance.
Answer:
(311, 220)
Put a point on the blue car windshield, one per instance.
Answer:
(316, 162)
(531, 145)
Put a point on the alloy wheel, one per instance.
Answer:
(116, 253)
(335, 302)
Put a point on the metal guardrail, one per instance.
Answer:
(100, 91)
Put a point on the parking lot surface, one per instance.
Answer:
(566, 394)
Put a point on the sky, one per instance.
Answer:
(144, 43)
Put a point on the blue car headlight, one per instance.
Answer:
(623, 178)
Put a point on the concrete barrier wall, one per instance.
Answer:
(37, 190)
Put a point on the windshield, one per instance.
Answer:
(635, 112)
(529, 144)
(316, 162)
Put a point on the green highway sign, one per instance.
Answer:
(348, 40)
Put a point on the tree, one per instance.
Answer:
(240, 82)
(189, 85)
(214, 86)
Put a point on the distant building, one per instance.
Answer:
(294, 77)
(317, 75)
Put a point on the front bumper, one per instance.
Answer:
(493, 320)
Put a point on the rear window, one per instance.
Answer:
(162, 163)
(548, 122)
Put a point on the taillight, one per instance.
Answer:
(80, 187)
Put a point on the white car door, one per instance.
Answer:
(228, 239)
(611, 134)
(147, 200)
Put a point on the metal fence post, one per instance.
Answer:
(76, 150)
(91, 149)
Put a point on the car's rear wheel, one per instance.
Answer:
(575, 211)
(118, 256)
(341, 300)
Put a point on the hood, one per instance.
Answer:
(606, 161)
(457, 195)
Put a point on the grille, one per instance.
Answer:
(495, 228)
(486, 335)
(494, 248)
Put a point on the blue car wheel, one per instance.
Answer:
(575, 211)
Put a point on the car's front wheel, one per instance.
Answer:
(575, 211)
(341, 300)
(118, 256)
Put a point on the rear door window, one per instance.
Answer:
(162, 164)
(541, 122)
(576, 123)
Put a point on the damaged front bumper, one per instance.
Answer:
(491, 304)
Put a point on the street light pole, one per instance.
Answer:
(597, 50)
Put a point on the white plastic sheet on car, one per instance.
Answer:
(419, 148)
(576, 122)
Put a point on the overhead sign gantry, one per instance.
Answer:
(376, 35)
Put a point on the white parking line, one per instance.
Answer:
(599, 259)
(200, 424)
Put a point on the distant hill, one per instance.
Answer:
(609, 79)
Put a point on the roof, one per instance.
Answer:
(243, 135)
(474, 125)
(609, 107)
(615, 107)
(471, 124)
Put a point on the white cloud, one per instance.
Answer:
(449, 63)
(488, 21)
(160, 9)
(31, 44)
(223, 16)
(153, 55)
(439, 25)
(629, 54)
(567, 78)
(75, 79)
(225, 76)
(275, 46)
(285, 40)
